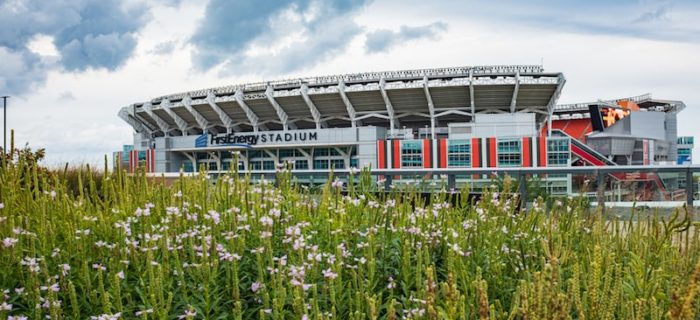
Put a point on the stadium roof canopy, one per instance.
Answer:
(645, 102)
(392, 99)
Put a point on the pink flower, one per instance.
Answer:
(256, 286)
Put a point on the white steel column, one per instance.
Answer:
(225, 119)
(552, 103)
(252, 117)
(284, 118)
(312, 107)
(393, 121)
(431, 109)
(351, 110)
(181, 123)
(472, 105)
(201, 121)
(148, 107)
(515, 92)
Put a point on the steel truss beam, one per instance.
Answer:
(472, 104)
(444, 113)
(351, 110)
(201, 121)
(138, 126)
(515, 92)
(393, 121)
(164, 126)
(252, 117)
(181, 123)
(284, 118)
(431, 106)
(225, 119)
(553, 101)
(312, 107)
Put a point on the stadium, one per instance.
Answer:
(462, 117)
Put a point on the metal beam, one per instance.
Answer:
(515, 92)
(135, 123)
(284, 118)
(164, 126)
(431, 108)
(553, 101)
(393, 121)
(472, 105)
(351, 110)
(181, 123)
(252, 117)
(225, 119)
(201, 120)
(312, 107)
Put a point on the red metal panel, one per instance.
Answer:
(396, 154)
(542, 155)
(381, 154)
(443, 153)
(527, 157)
(427, 153)
(492, 152)
(476, 152)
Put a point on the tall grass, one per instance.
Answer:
(124, 247)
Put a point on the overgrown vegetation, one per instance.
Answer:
(121, 247)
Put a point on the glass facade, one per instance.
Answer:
(411, 154)
(509, 153)
(558, 152)
(686, 140)
(459, 153)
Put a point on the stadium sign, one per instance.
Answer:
(252, 139)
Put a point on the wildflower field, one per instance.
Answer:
(125, 247)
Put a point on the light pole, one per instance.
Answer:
(4, 124)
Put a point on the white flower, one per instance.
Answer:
(2, 205)
(266, 221)
(5, 306)
(256, 286)
(120, 275)
(20, 317)
(147, 311)
(52, 194)
(329, 274)
(31, 263)
(99, 267)
(189, 313)
(9, 242)
(337, 184)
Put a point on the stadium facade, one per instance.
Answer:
(484, 116)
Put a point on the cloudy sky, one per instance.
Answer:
(70, 65)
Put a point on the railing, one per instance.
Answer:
(594, 174)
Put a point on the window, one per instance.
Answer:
(459, 153)
(338, 163)
(411, 154)
(301, 165)
(268, 165)
(509, 153)
(321, 152)
(320, 164)
(286, 153)
(558, 152)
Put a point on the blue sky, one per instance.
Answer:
(70, 65)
